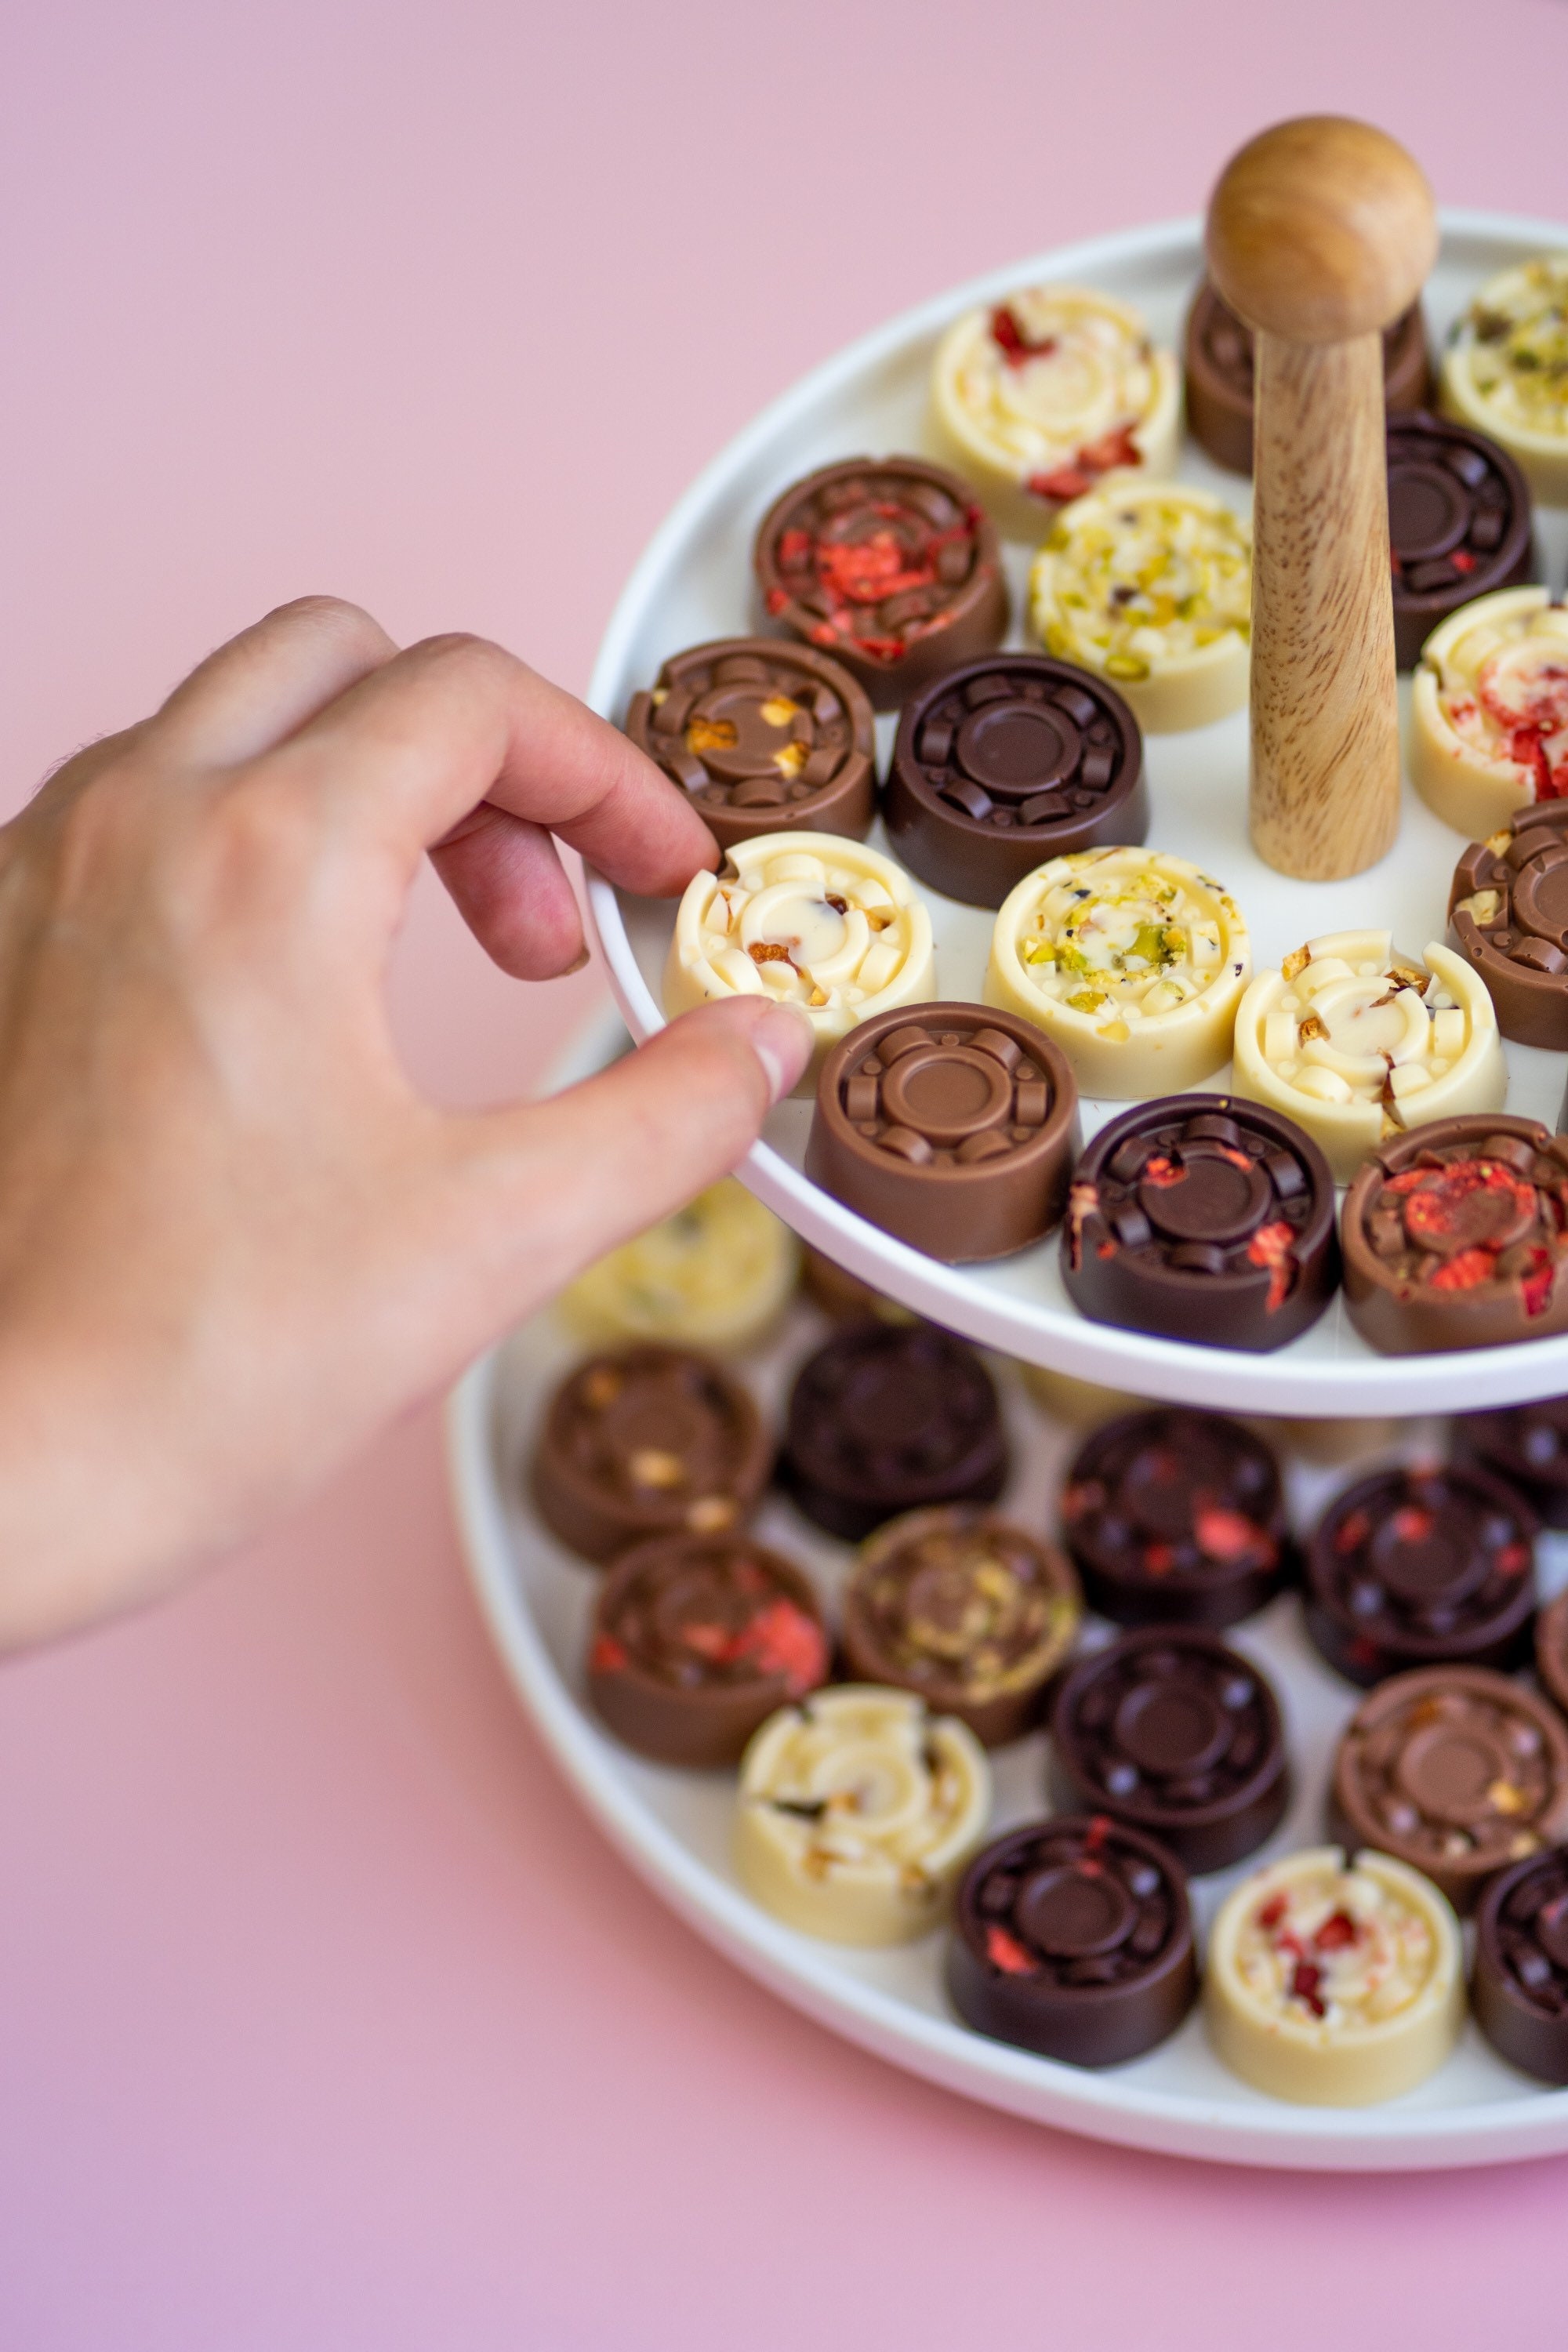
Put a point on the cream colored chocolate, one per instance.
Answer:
(1078, 1404)
(858, 1809)
(1489, 710)
(1335, 1985)
(1506, 369)
(1042, 395)
(1355, 1043)
(1133, 961)
(718, 1273)
(1149, 584)
(828, 923)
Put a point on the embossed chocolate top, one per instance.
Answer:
(888, 565)
(1218, 358)
(1552, 1651)
(1508, 912)
(1004, 763)
(1521, 1965)
(1459, 524)
(883, 1420)
(1528, 1445)
(764, 737)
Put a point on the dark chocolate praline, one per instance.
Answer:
(1422, 1567)
(1520, 1988)
(1179, 1736)
(1073, 1937)
(1203, 1218)
(883, 1420)
(1552, 1651)
(1176, 1518)
(1517, 936)
(1528, 1445)
(954, 1127)
(1459, 524)
(1217, 352)
(1006, 762)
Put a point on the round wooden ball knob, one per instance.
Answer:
(1321, 229)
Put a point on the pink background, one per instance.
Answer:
(325, 2019)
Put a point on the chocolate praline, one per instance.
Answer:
(1457, 1771)
(1459, 524)
(1520, 1988)
(1520, 949)
(1420, 1566)
(883, 1420)
(1453, 1235)
(1073, 1937)
(951, 1126)
(888, 565)
(1203, 1218)
(1179, 1736)
(645, 1442)
(1552, 1651)
(1218, 350)
(1528, 1445)
(1176, 1518)
(1006, 763)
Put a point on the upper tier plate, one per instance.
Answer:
(694, 582)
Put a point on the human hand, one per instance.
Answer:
(233, 1239)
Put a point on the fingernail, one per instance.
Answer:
(783, 1041)
(578, 961)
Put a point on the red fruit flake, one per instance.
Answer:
(794, 547)
(1083, 1200)
(1094, 1835)
(777, 599)
(783, 1640)
(1226, 1535)
(1464, 1272)
(1513, 1559)
(1537, 1285)
(1012, 342)
(1336, 1933)
(1005, 1952)
(1273, 1911)
(824, 634)
(1462, 560)
(1271, 1245)
(714, 1642)
(1472, 1200)
(606, 1656)
(1160, 1171)
(1352, 1532)
(1159, 1558)
(1411, 1525)
(864, 570)
(1305, 1980)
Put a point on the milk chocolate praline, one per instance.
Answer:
(1552, 1651)
(1520, 949)
(1006, 763)
(883, 1420)
(1218, 360)
(645, 1442)
(1176, 1518)
(888, 565)
(1454, 1769)
(1459, 524)
(1177, 1735)
(1073, 1937)
(951, 1126)
(1528, 1445)
(1418, 1567)
(1520, 1989)
(1203, 1217)
(1453, 1237)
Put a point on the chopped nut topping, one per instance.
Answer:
(650, 1466)
(709, 1513)
(601, 1386)
(1296, 962)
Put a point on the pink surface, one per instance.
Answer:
(325, 2019)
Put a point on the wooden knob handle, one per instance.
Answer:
(1321, 233)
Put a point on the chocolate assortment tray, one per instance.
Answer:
(695, 587)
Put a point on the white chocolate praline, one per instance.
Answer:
(1506, 368)
(1335, 1984)
(1075, 394)
(1489, 710)
(1355, 1043)
(1134, 962)
(1149, 584)
(857, 1811)
(809, 917)
(718, 1273)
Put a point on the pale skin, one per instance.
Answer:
(234, 1239)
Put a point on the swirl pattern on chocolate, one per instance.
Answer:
(1508, 910)
(1520, 1990)
(1176, 1518)
(883, 1420)
(1459, 523)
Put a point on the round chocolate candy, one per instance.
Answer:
(971, 1613)
(1552, 1651)
(696, 1640)
(1203, 1217)
(1178, 1736)
(1176, 1518)
(647, 1442)
(844, 1296)
(1219, 356)
(951, 1126)
(1006, 762)
(764, 737)
(1454, 1771)
(1508, 916)
(888, 565)
(1073, 1937)
(883, 1420)
(1528, 1445)
(1454, 1236)
(1416, 1567)
(1520, 1989)
(1459, 524)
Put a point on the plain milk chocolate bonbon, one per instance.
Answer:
(951, 1126)
(1006, 761)
(1507, 911)
(1073, 1937)
(1528, 1445)
(1519, 1992)
(1218, 355)
(1459, 523)
(883, 1420)
(1203, 1218)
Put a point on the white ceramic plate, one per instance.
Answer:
(694, 582)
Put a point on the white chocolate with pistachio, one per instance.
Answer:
(1149, 584)
(1355, 1043)
(1489, 710)
(1134, 962)
(1333, 1984)
(718, 1273)
(1506, 368)
(857, 1811)
(823, 922)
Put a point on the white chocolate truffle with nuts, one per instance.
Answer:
(1489, 710)
(1335, 1984)
(1355, 1043)
(1134, 962)
(827, 923)
(1506, 369)
(858, 1811)
(718, 1273)
(1149, 584)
